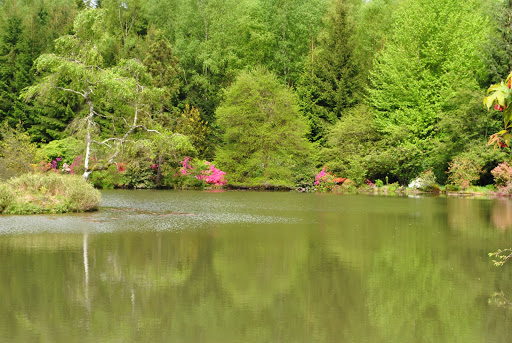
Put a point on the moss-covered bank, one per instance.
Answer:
(47, 193)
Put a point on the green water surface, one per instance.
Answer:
(193, 266)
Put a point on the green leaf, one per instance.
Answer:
(507, 138)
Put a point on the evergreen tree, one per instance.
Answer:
(13, 72)
(28, 30)
(330, 80)
(163, 67)
(499, 44)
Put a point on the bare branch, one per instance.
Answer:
(82, 94)
(102, 143)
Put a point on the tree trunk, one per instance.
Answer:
(88, 139)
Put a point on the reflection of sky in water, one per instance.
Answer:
(160, 210)
(151, 210)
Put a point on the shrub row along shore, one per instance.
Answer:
(53, 192)
(47, 193)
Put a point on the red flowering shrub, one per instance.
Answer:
(327, 182)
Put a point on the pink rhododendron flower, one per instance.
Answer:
(211, 175)
(186, 166)
(319, 176)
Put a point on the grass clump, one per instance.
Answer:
(47, 193)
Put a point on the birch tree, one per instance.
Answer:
(76, 67)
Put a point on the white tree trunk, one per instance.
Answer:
(88, 139)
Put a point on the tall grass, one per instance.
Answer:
(47, 193)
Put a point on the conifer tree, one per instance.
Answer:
(499, 45)
(330, 80)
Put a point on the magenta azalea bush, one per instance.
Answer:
(204, 171)
(60, 167)
(326, 181)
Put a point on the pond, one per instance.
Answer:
(235, 266)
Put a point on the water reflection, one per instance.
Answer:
(257, 267)
(502, 214)
(324, 269)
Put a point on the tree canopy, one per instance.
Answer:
(263, 132)
(386, 88)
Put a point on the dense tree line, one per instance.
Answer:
(370, 89)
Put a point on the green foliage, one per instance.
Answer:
(28, 29)
(7, 196)
(122, 92)
(48, 193)
(191, 125)
(17, 153)
(426, 182)
(499, 44)
(421, 107)
(127, 25)
(353, 146)
(263, 133)
(502, 255)
(67, 148)
(329, 82)
(500, 96)
(424, 63)
(109, 178)
(463, 172)
(373, 22)
(163, 67)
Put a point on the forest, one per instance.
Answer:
(141, 94)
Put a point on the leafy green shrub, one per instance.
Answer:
(109, 178)
(452, 188)
(353, 147)
(263, 131)
(347, 187)
(139, 175)
(392, 187)
(66, 149)
(379, 183)
(463, 172)
(6, 196)
(425, 182)
(357, 172)
(48, 193)
(16, 152)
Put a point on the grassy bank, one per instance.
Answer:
(47, 193)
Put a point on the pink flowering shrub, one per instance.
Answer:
(204, 171)
(502, 174)
(60, 167)
(212, 175)
(186, 166)
(326, 181)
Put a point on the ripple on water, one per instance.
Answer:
(135, 214)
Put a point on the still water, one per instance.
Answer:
(192, 266)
